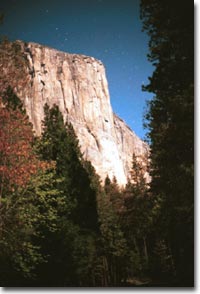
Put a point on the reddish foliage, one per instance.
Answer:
(17, 159)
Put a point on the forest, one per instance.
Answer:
(59, 225)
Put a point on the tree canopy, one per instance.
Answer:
(170, 123)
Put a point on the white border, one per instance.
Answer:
(197, 202)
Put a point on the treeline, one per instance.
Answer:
(59, 226)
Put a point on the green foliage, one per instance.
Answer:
(113, 244)
(137, 201)
(60, 144)
(113, 193)
(18, 214)
(112, 247)
(84, 257)
(26, 213)
(12, 101)
(137, 220)
(171, 126)
(71, 248)
(110, 227)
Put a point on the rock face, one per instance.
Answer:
(78, 85)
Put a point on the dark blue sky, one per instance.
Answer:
(105, 29)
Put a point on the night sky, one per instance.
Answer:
(105, 29)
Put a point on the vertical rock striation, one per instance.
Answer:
(78, 85)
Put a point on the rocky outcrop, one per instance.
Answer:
(78, 85)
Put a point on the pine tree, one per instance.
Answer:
(73, 247)
(113, 193)
(170, 124)
(60, 144)
(137, 220)
(113, 247)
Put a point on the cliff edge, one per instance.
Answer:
(78, 85)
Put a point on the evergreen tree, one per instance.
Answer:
(19, 253)
(72, 248)
(113, 247)
(113, 193)
(170, 124)
(137, 220)
(60, 144)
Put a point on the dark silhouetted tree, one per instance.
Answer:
(72, 248)
(170, 122)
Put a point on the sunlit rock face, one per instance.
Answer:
(78, 85)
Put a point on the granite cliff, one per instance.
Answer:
(78, 85)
